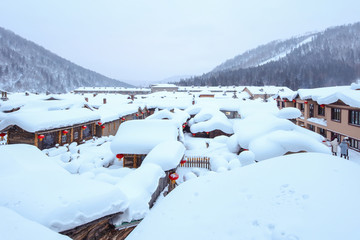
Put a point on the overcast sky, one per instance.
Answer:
(150, 40)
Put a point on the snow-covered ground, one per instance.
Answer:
(231, 191)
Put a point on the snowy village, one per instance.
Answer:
(180, 120)
(102, 162)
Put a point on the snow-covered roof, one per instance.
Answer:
(111, 112)
(300, 196)
(39, 189)
(111, 89)
(141, 136)
(328, 95)
(269, 136)
(210, 119)
(166, 154)
(269, 90)
(178, 115)
(38, 120)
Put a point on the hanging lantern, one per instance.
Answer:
(2, 135)
(182, 162)
(102, 126)
(183, 126)
(148, 111)
(285, 100)
(294, 101)
(99, 123)
(142, 112)
(194, 134)
(306, 102)
(119, 156)
(207, 133)
(83, 127)
(123, 119)
(137, 114)
(322, 105)
(173, 177)
(65, 132)
(41, 137)
(245, 149)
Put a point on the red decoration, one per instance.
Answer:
(142, 112)
(99, 123)
(102, 126)
(84, 127)
(2, 134)
(65, 132)
(182, 162)
(322, 105)
(119, 156)
(173, 177)
(194, 134)
(245, 149)
(137, 114)
(41, 137)
(123, 118)
(294, 101)
(285, 100)
(306, 102)
(207, 133)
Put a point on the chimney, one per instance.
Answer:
(104, 100)
(86, 99)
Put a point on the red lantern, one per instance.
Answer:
(194, 134)
(294, 101)
(99, 123)
(285, 100)
(245, 149)
(84, 127)
(119, 156)
(2, 135)
(65, 132)
(123, 118)
(182, 162)
(306, 102)
(207, 133)
(142, 112)
(322, 105)
(173, 177)
(102, 126)
(41, 137)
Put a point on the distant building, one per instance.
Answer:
(113, 90)
(164, 87)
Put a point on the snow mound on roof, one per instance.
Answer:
(178, 115)
(292, 202)
(48, 194)
(166, 154)
(141, 136)
(16, 227)
(208, 120)
(289, 113)
(37, 120)
(139, 185)
(269, 136)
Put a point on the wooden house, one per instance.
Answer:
(46, 129)
(135, 139)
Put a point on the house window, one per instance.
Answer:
(322, 132)
(311, 127)
(278, 103)
(282, 104)
(321, 110)
(336, 114)
(302, 107)
(64, 138)
(354, 143)
(354, 117)
(87, 132)
(311, 110)
(76, 135)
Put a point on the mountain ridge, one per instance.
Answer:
(327, 58)
(27, 66)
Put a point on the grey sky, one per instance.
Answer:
(143, 40)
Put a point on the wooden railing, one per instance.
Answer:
(193, 161)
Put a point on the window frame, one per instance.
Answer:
(336, 114)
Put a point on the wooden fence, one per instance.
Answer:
(193, 161)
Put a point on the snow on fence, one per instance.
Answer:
(195, 161)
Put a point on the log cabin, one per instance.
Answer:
(46, 129)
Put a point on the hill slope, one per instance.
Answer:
(328, 58)
(26, 66)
